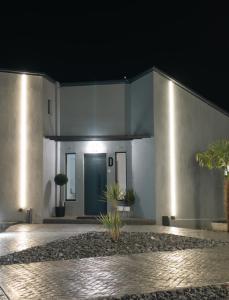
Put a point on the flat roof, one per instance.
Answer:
(28, 73)
(123, 81)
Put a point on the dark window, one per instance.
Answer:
(49, 106)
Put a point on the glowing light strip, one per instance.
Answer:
(23, 144)
(172, 149)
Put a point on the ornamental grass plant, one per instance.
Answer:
(112, 220)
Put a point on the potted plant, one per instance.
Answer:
(217, 157)
(60, 180)
(129, 197)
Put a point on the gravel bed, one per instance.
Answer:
(93, 244)
(201, 293)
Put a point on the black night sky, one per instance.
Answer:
(102, 40)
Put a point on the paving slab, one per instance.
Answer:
(22, 236)
(117, 275)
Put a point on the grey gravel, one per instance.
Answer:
(212, 292)
(94, 244)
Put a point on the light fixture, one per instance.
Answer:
(172, 150)
(95, 147)
(23, 146)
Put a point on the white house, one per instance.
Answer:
(142, 133)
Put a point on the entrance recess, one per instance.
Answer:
(95, 181)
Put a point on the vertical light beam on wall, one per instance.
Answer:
(172, 149)
(23, 143)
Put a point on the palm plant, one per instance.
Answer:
(217, 157)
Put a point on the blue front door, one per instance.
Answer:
(95, 181)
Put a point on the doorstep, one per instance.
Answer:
(91, 220)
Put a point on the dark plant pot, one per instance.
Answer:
(165, 221)
(60, 211)
(122, 203)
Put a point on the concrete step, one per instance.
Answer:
(5, 225)
(90, 220)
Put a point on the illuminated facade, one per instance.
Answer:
(142, 133)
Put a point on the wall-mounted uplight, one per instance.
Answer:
(172, 149)
(23, 146)
(95, 147)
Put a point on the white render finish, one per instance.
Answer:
(49, 172)
(93, 109)
(38, 90)
(10, 97)
(199, 191)
(143, 167)
(141, 105)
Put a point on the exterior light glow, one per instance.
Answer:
(23, 146)
(172, 149)
(95, 147)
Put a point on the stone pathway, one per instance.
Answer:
(21, 237)
(116, 275)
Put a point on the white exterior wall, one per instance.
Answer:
(10, 96)
(93, 109)
(49, 172)
(141, 105)
(143, 178)
(199, 192)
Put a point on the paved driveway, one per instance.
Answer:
(116, 275)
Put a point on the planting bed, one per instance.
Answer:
(95, 244)
(211, 292)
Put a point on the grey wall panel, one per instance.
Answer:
(141, 93)
(49, 120)
(199, 191)
(143, 177)
(49, 159)
(93, 110)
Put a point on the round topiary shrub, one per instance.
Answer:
(61, 179)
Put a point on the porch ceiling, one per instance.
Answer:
(70, 138)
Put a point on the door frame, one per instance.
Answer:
(84, 176)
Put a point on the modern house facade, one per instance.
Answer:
(142, 133)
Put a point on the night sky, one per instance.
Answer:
(103, 40)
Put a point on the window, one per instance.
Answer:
(120, 162)
(49, 106)
(71, 174)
